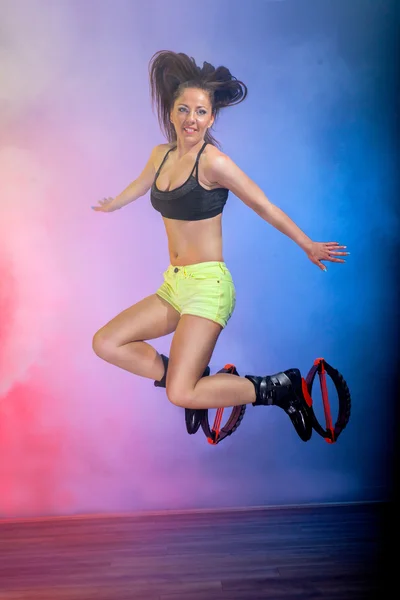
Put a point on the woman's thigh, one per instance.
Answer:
(148, 319)
(191, 351)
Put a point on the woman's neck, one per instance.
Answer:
(183, 147)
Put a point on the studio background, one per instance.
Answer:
(317, 133)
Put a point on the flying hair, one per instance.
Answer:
(170, 73)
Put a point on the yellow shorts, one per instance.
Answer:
(204, 290)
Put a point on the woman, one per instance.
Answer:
(190, 179)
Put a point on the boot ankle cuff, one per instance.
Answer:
(163, 381)
(262, 387)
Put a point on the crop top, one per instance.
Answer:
(190, 201)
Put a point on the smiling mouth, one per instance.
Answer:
(189, 130)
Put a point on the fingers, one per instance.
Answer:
(332, 248)
(331, 256)
(334, 244)
(103, 205)
(332, 251)
(321, 266)
(337, 260)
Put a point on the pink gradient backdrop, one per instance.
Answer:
(76, 434)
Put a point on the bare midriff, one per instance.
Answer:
(192, 242)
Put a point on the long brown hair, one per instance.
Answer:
(170, 73)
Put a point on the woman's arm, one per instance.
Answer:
(138, 188)
(222, 170)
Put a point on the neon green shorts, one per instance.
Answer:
(204, 290)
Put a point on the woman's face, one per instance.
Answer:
(192, 115)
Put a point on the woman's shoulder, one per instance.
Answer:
(158, 153)
(214, 158)
(212, 154)
(162, 148)
(214, 164)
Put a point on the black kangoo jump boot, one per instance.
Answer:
(285, 390)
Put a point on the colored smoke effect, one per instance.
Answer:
(78, 435)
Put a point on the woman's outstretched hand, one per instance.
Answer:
(318, 251)
(106, 205)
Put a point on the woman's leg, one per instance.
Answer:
(207, 299)
(121, 341)
(191, 350)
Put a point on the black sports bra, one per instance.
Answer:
(190, 201)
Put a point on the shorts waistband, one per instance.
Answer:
(197, 267)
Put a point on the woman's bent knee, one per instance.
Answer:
(103, 345)
(178, 396)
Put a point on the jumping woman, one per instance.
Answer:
(190, 179)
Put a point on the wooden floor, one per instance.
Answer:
(329, 552)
